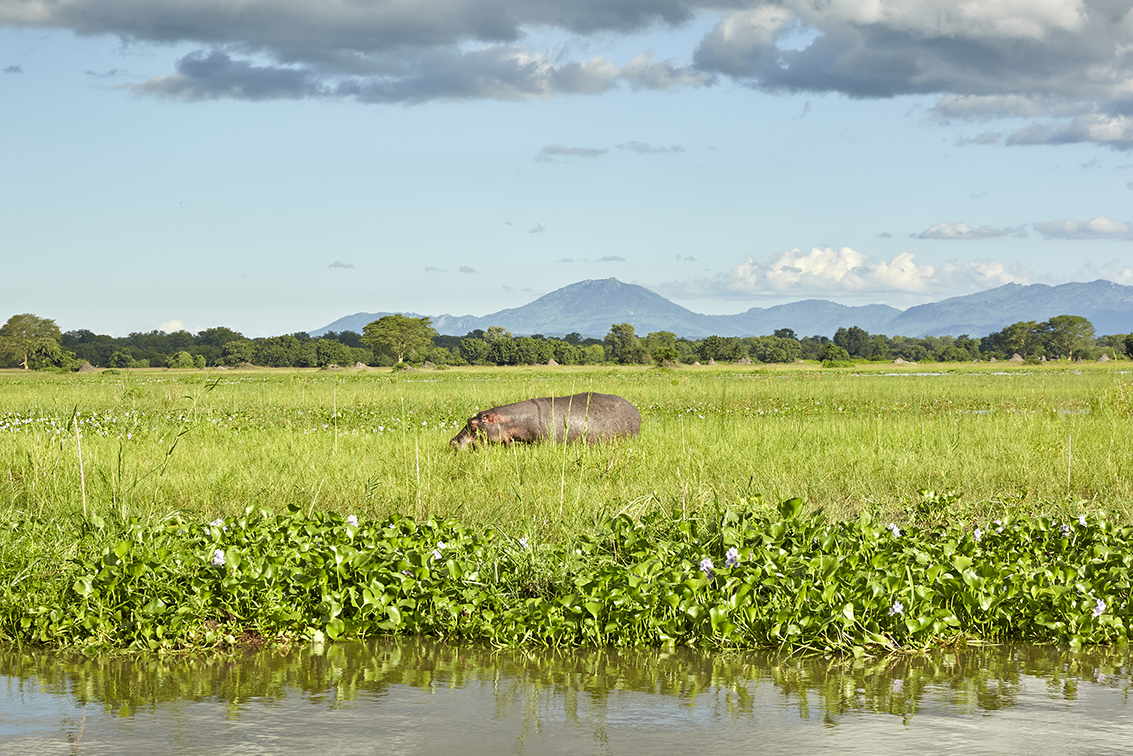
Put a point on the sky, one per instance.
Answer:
(272, 166)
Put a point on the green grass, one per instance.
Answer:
(1025, 439)
(91, 465)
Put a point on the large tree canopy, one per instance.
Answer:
(26, 334)
(399, 336)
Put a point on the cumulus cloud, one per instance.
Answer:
(1065, 64)
(495, 72)
(611, 258)
(171, 326)
(1111, 130)
(340, 264)
(824, 272)
(1100, 227)
(960, 230)
(1067, 60)
(1110, 271)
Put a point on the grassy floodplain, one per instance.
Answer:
(1026, 439)
(165, 509)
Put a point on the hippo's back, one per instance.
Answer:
(594, 417)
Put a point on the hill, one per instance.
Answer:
(590, 307)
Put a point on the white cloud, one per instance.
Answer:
(1114, 131)
(961, 230)
(1061, 59)
(829, 272)
(1068, 60)
(1100, 227)
(1110, 271)
(171, 326)
(340, 264)
(611, 258)
(987, 137)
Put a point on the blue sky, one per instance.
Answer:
(274, 166)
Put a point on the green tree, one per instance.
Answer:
(474, 350)
(665, 355)
(622, 344)
(495, 333)
(502, 351)
(658, 340)
(236, 352)
(23, 334)
(1020, 338)
(564, 353)
(182, 360)
(831, 352)
(1066, 335)
(122, 358)
(721, 349)
(399, 336)
(774, 348)
(854, 340)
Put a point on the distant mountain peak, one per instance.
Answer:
(591, 306)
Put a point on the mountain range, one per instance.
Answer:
(590, 307)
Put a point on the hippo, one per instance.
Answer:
(595, 417)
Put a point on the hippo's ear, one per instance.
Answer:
(491, 418)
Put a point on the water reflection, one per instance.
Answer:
(418, 696)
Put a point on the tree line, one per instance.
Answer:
(31, 342)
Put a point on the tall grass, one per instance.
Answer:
(375, 443)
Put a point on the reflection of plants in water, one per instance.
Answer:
(965, 681)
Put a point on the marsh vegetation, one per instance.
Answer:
(325, 485)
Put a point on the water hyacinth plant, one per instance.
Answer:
(789, 581)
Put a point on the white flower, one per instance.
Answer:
(523, 542)
(218, 522)
(897, 608)
(978, 534)
(352, 520)
(732, 558)
(218, 557)
(894, 529)
(706, 567)
(437, 551)
(1099, 608)
(1082, 520)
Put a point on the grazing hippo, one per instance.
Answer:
(591, 416)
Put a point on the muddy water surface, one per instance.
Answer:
(422, 697)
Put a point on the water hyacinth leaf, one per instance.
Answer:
(790, 509)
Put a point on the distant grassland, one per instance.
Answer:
(1027, 439)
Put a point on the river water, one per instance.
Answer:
(413, 696)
